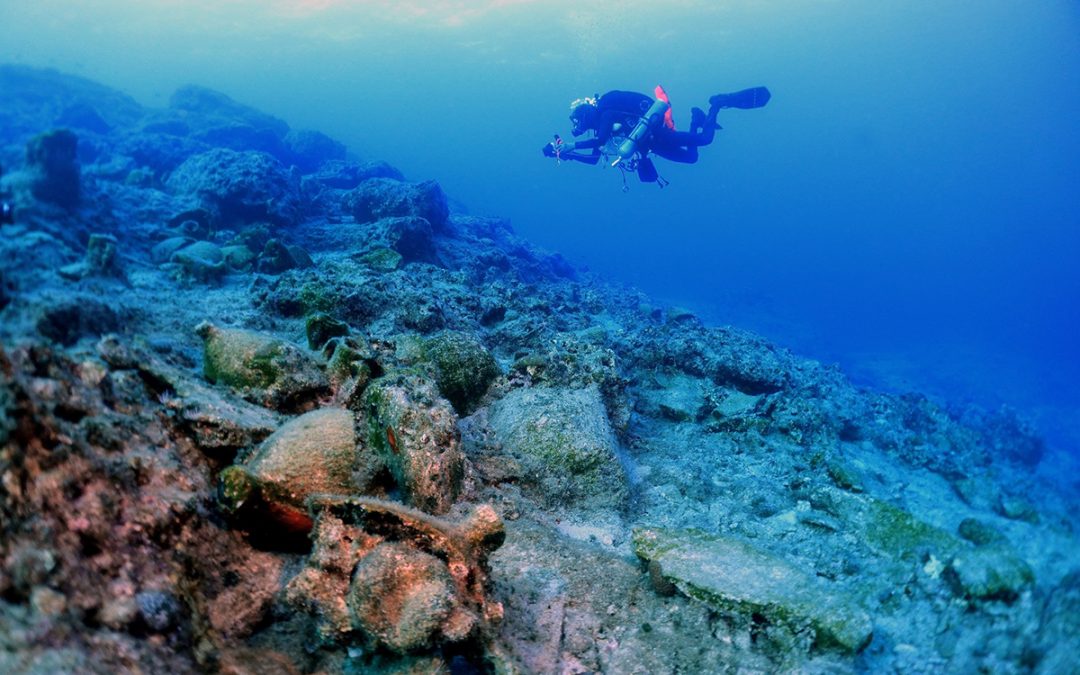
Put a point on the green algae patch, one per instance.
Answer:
(733, 576)
(899, 534)
(313, 454)
(382, 259)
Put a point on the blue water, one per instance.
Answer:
(906, 205)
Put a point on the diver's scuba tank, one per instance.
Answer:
(652, 118)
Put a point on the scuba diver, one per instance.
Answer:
(628, 126)
(7, 211)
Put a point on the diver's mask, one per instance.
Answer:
(582, 112)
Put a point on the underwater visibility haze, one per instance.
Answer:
(840, 351)
(905, 205)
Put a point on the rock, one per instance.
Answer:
(160, 147)
(575, 361)
(320, 327)
(219, 425)
(29, 567)
(118, 613)
(1008, 436)
(1016, 508)
(565, 445)
(6, 290)
(414, 432)
(216, 424)
(276, 258)
(202, 250)
(206, 102)
(409, 236)
(386, 198)
(243, 606)
(464, 369)
(382, 259)
(240, 187)
(71, 319)
(209, 109)
(52, 168)
(733, 576)
(47, 602)
(262, 368)
(347, 175)
(988, 573)
(311, 149)
(979, 532)
(314, 453)
(84, 117)
(1060, 626)
(159, 610)
(677, 397)
(681, 315)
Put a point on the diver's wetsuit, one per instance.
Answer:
(625, 108)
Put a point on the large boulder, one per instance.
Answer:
(240, 187)
(311, 149)
(37, 98)
(343, 175)
(385, 198)
(464, 369)
(214, 119)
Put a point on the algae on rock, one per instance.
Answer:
(464, 369)
(565, 444)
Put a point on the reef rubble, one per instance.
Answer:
(268, 408)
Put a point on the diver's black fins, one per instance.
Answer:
(755, 97)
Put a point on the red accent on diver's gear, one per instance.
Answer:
(669, 120)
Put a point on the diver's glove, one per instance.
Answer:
(549, 150)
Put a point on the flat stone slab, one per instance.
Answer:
(731, 575)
